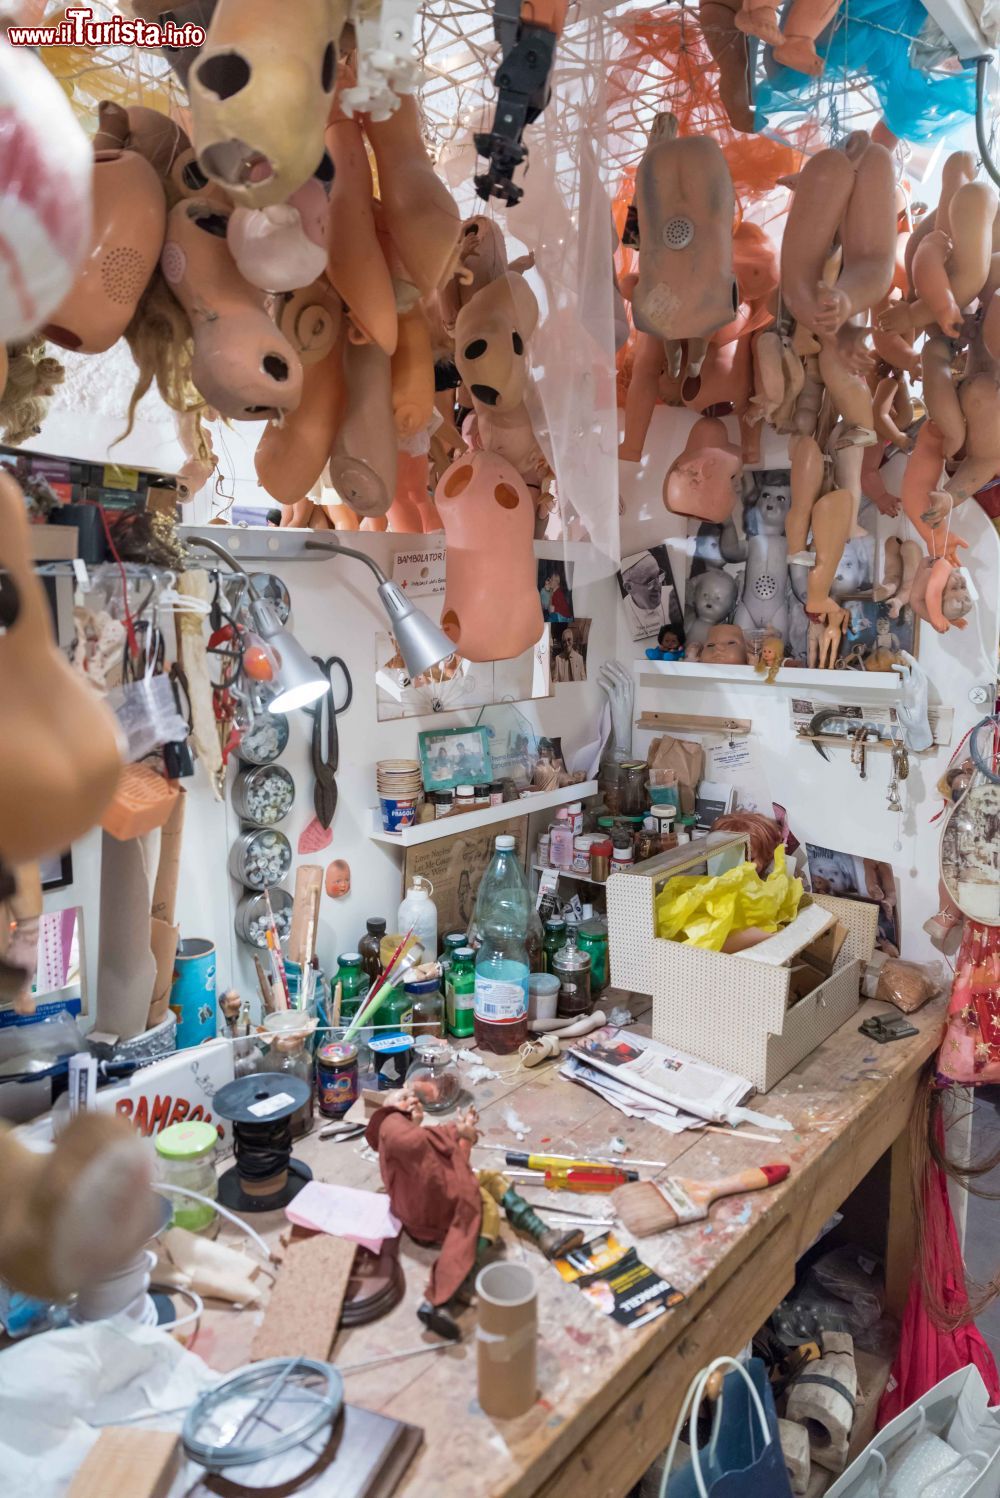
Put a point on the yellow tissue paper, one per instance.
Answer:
(704, 910)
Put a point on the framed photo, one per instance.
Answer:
(455, 756)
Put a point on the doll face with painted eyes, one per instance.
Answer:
(772, 507)
(726, 646)
(956, 600)
(338, 879)
(715, 596)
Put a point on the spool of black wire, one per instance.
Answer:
(260, 1108)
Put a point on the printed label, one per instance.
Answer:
(270, 1105)
(499, 1001)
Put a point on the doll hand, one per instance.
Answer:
(467, 1126)
(939, 508)
(405, 1102)
(897, 319)
(911, 710)
(832, 308)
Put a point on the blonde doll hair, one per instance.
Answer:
(32, 377)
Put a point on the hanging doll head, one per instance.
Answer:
(491, 337)
(704, 480)
(940, 594)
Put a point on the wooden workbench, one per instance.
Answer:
(608, 1396)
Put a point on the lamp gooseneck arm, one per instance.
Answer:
(220, 551)
(335, 547)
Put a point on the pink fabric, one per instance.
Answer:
(927, 1354)
(970, 1051)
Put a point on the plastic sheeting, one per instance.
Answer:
(869, 46)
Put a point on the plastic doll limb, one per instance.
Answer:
(990, 328)
(729, 52)
(832, 518)
(824, 637)
(943, 404)
(760, 21)
(911, 708)
(807, 407)
(894, 349)
(703, 480)
(806, 482)
(725, 378)
(768, 374)
(413, 374)
(685, 200)
(618, 685)
(849, 392)
(822, 191)
(848, 458)
(419, 210)
(912, 556)
(904, 411)
(873, 485)
(936, 302)
(363, 457)
(643, 391)
(291, 456)
(971, 217)
(883, 403)
(412, 473)
(355, 263)
(979, 397)
(892, 571)
(947, 919)
(802, 23)
(921, 478)
(958, 168)
(868, 237)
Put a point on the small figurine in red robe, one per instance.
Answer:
(440, 1199)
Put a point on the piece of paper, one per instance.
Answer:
(363, 1217)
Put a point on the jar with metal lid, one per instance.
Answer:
(260, 857)
(336, 1077)
(634, 775)
(265, 739)
(263, 795)
(572, 968)
(481, 794)
(186, 1157)
(465, 798)
(252, 920)
(434, 1076)
(449, 947)
(443, 802)
(553, 941)
(592, 938)
(663, 816)
(647, 841)
(423, 991)
(496, 793)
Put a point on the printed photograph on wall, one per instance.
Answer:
(649, 595)
(554, 579)
(569, 650)
(851, 877)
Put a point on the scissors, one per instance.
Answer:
(326, 712)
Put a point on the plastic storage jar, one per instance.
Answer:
(185, 1155)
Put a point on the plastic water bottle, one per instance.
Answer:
(503, 913)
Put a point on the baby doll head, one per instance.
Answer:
(713, 595)
(726, 646)
(338, 879)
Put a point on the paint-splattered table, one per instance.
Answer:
(608, 1396)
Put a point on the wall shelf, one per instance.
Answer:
(883, 685)
(548, 868)
(429, 832)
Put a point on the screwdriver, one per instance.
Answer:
(603, 1179)
(565, 1162)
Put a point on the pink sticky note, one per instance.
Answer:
(363, 1217)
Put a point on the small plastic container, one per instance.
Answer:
(582, 843)
(496, 793)
(592, 938)
(465, 798)
(185, 1155)
(600, 859)
(434, 1076)
(481, 795)
(543, 995)
(561, 842)
(443, 802)
(622, 858)
(263, 795)
(542, 851)
(260, 857)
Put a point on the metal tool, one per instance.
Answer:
(835, 723)
(325, 713)
(341, 1132)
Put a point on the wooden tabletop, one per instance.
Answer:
(607, 1395)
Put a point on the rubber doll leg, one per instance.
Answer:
(804, 20)
(647, 366)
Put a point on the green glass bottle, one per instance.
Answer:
(355, 984)
(555, 940)
(460, 992)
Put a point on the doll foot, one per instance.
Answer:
(760, 21)
(554, 1244)
(439, 1321)
(799, 53)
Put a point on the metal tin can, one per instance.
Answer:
(251, 920)
(260, 857)
(263, 795)
(336, 1078)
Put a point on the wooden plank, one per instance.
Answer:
(139, 1463)
(900, 1243)
(303, 1313)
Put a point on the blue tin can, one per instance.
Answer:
(192, 995)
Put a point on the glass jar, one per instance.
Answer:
(460, 992)
(426, 1002)
(634, 775)
(496, 793)
(263, 795)
(554, 941)
(369, 947)
(449, 947)
(592, 938)
(647, 841)
(481, 795)
(354, 982)
(434, 1076)
(443, 802)
(186, 1157)
(663, 816)
(465, 798)
(336, 1077)
(572, 968)
(622, 858)
(610, 784)
(288, 1052)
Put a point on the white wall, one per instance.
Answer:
(827, 803)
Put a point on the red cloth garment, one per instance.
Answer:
(433, 1190)
(926, 1353)
(970, 1051)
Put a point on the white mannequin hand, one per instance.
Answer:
(616, 681)
(911, 710)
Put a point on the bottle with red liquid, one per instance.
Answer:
(502, 918)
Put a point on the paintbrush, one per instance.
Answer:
(338, 996)
(647, 1207)
(264, 984)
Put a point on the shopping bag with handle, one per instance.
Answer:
(743, 1457)
(946, 1445)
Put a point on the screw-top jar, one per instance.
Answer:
(426, 1000)
(553, 942)
(434, 1076)
(622, 857)
(252, 918)
(592, 938)
(265, 739)
(186, 1157)
(572, 968)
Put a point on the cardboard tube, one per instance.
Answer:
(507, 1339)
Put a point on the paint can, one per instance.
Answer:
(192, 994)
(336, 1078)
